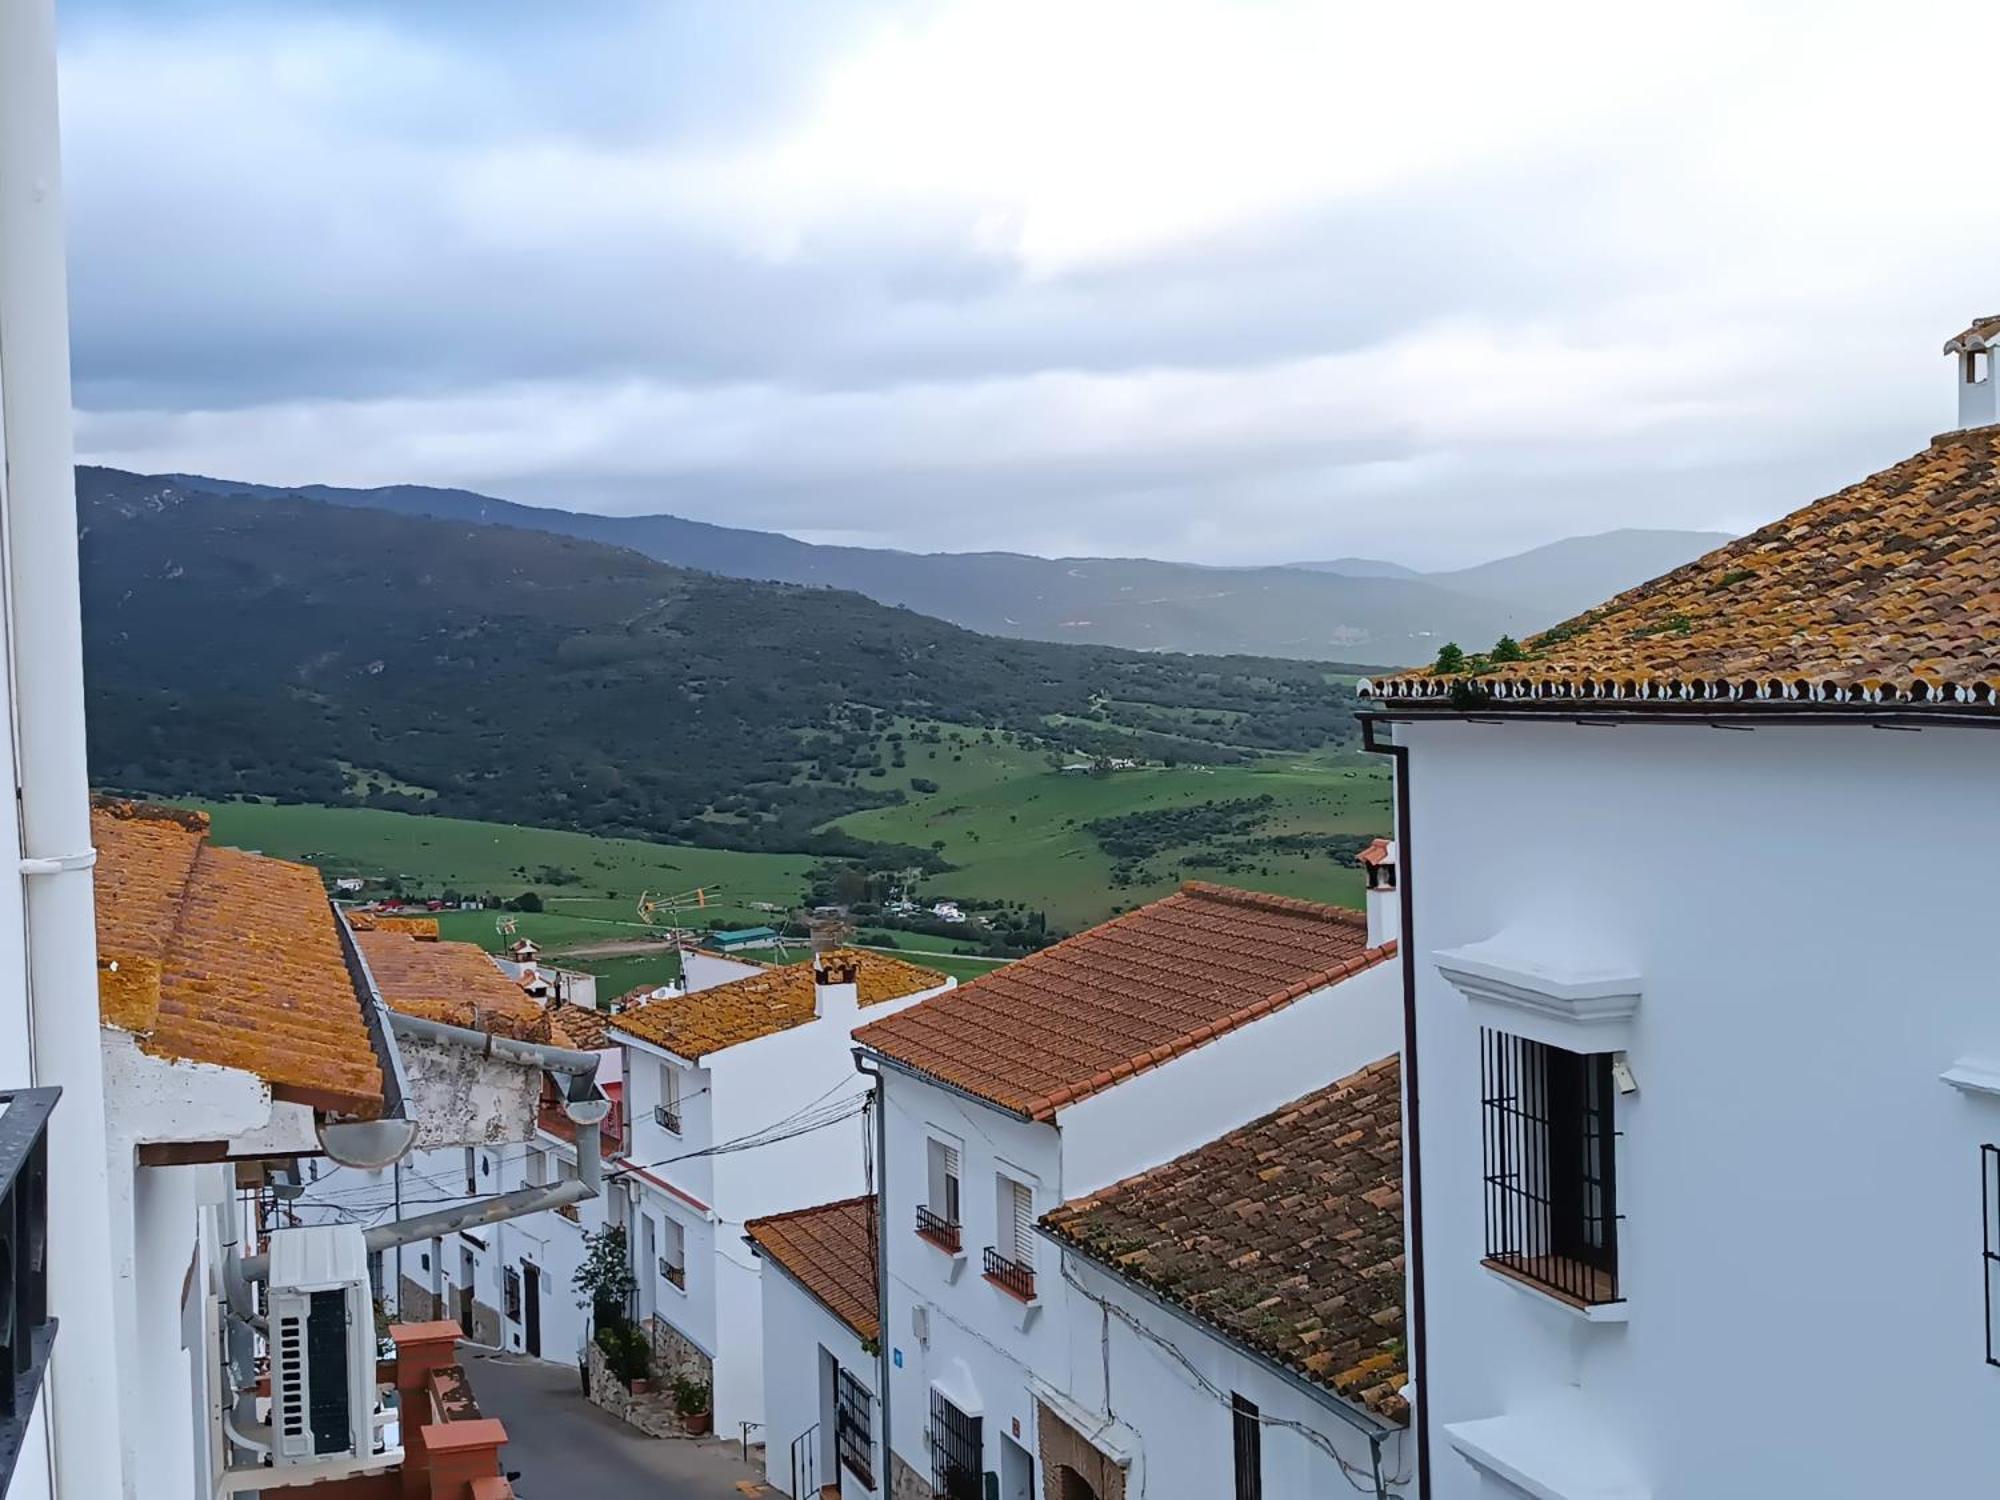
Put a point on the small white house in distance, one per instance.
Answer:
(1236, 1315)
(742, 1101)
(820, 1332)
(1699, 1073)
(1047, 1080)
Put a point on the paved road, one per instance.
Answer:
(566, 1449)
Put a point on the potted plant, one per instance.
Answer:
(691, 1400)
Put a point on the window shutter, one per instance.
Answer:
(950, 1159)
(1024, 1224)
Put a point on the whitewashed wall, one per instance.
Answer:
(1182, 1430)
(797, 1329)
(1810, 910)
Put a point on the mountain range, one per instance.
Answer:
(1349, 609)
(275, 645)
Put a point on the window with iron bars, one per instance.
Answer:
(1989, 1203)
(955, 1448)
(1549, 1148)
(853, 1427)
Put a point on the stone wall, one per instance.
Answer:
(1069, 1459)
(652, 1412)
(417, 1304)
(673, 1354)
(905, 1483)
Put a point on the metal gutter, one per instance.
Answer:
(580, 1068)
(1413, 1155)
(395, 1081)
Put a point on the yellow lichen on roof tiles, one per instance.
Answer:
(1888, 591)
(218, 956)
(374, 921)
(759, 1005)
(455, 983)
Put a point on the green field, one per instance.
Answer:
(1013, 825)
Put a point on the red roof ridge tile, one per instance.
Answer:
(1270, 901)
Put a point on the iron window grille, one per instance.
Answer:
(1989, 1203)
(853, 1428)
(510, 1293)
(26, 1329)
(1550, 1159)
(673, 1273)
(1010, 1275)
(667, 1118)
(955, 1450)
(940, 1231)
(1248, 1431)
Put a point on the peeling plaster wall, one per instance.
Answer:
(461, 1098)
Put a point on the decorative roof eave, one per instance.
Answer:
(1918, 690)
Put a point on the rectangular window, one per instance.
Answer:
(853, 1427)
(1249, 1435)
(667, 1113)
(955, 1449)
(1989, 1202)
(1010, 1261)
(673, 1253)
(471, 1174)
(938, 1219)
(511, 1293)
(1549, 1150)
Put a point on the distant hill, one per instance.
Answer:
(1567, 577)
(1354, 609)
(279, 646)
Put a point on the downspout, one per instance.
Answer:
(863, 1066)
(45, 667)
(1413, 1152)
(583, 1103)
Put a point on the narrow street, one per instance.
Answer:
(566, 1449)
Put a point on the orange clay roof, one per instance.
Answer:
(1285, 1235)
(1375, 854)
(1076, 1018)
(584, 1025)
(217, 956)
(375, 921)
(828, 1250)
(1887, 592)
(455, 983)
(759, 1005)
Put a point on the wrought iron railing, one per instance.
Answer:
(1549, 1149)
(1989, 1203)
(676, 1274)
(939, 1230)
(1014, 1276)
(955, 1451)
(667, 1118)
(853, 1427)
(26, 1329)
(805, 1464)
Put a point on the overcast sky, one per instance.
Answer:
(1222, 282)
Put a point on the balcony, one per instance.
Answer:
(939, 1230)
(677, 1275)
(667, 1118)
(1016, 1278)
(26, 1329)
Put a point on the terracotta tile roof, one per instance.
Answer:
(455, 983)
(829, 1251)
(584, 1025)
(758, 1005)
(1983, 331)
(218, 956)
(1375, 854)
(362, 920)
(1887, 592)
(1125, 996)
(1286, 1236)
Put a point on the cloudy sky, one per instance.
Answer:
(1226, 282)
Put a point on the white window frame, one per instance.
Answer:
(944, 1177)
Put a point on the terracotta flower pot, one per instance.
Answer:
(641, 1385)
(698, 1422)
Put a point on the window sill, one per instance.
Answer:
(1618, 1311)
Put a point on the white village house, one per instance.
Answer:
(1048, 1081)
(1697, 1079)
(740, 1101)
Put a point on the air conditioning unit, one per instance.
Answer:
(322, 1334)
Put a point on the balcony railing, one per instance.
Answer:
(1013, 1276)
(26, 1329)
(667, 1118)
(676, 1274)
(939, 1230)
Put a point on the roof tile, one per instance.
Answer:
(1285, 1235)
(454, 983)
(830, 1250)
(1125, 996)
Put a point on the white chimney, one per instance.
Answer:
(1385, 914)
(836, 984)
(1972, 359)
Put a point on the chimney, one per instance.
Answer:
(836, 983)
(1385, 915)
(1972, 359)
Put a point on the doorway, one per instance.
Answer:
(531, 1306)
(467, 1270)
(1071, 1485)
(649, 1245)
(1017, 1471)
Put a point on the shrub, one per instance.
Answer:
(691, 1396)
(626, 1351)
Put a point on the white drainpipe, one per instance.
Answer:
(46, 678)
